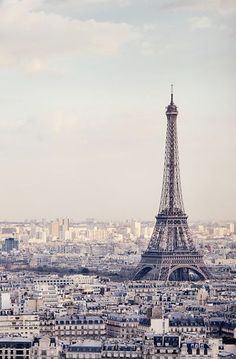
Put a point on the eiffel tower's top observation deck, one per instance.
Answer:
(171, 109)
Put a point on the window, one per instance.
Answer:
(19, 351)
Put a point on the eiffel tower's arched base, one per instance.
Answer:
(171, 266)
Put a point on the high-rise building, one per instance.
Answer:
(231, 228)
(55, 229)
(10, 244)
(136, 228)
(65, 224)
(59, 227)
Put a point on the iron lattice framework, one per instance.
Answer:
(171, 254)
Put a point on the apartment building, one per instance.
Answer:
(122, 326)
(72, 327)
(24, 325)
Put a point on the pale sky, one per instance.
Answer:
(83, 90)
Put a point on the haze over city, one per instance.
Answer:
(82, 106)
(117, 188)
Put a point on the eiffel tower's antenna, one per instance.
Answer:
(172, 94)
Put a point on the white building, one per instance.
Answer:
(5, 301)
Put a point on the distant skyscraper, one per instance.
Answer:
(10, 244)
(136, 228)
(171, 254)
(65, 224)
(231, 228)
(59, 227)
(55, 229)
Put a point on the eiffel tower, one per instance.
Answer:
(171, 254)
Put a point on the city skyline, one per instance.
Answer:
(117, 189)
(82, 113)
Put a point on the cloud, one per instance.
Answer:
(59, 122)
(226, 7)
(223, 7)
(77, 3)
(29, 36)
(38, 67)
(201, 22)
(54, 123)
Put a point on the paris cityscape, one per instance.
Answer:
(130, 289)
(65, 292)
(117, 187)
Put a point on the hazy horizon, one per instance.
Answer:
(83, 90)
(111, 220)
